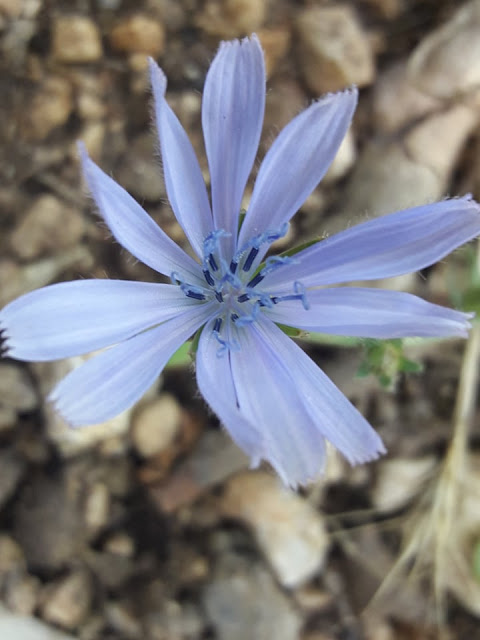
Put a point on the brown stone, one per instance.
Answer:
(48, 225)
(66, 602)
(275, 44)
(335, 51)
(76, 39)
(138, 34)
(156, 425)
(50, 108)
(232, 18)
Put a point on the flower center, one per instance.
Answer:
(234, 283)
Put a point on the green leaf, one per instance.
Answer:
(385, 381)
(182, 356)
(471, 299)
(241, 218)
(294, 250)
(292, 332)
(331, 340)
(410, 366)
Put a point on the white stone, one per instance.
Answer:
(446, 63)
(67, 601)
(155, 425)
(400, 480)
(335, 51)
(290, 532)
(17, 627)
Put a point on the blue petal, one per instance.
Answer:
(296, 162)
(115, 379)
(133, 228)
(216, 384)
(183, 178)
(332, 414)
(274, 387)
(253, 396)
(370, 313)
(72, 318)
(232, 117)
(388, 246)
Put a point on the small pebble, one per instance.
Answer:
(14, 626)
(48, 225)
(16, 388)
(446, 63)
(138, 34)
(275, 44)
(22, 593)
(76, 39)
(97, 508)
(334, 50)
(50, 107)
(120, 544)
(290, 532)
(400, 480)
(156, 425)
(67, 601)
(232, 18)
(11, 556)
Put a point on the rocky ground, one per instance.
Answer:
(150, 526)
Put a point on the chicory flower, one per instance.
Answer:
(275, 402)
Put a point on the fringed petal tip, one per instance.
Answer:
(312, 478)
(251, 40)
(57, 407)
(349, 93)
(463, 323)
(87, 166)
(82, 151)
(294, 484)
(158, 79)
(5, 347)
(378, 449)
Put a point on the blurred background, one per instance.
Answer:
(150, 526)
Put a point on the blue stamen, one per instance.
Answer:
(211, 245)
(250, 258)
(267, 237)
(300, 290)
(191, 291)
(254, 244)
(254, 281)
(218, 296)
(224, 344)
(212, 262)
(274, 262)
(243, 298)
(300, 294)
(233, 266)
(245, 320)
(194, 295)
(208, 277)
(265, 300)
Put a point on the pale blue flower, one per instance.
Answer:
(275, 402)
